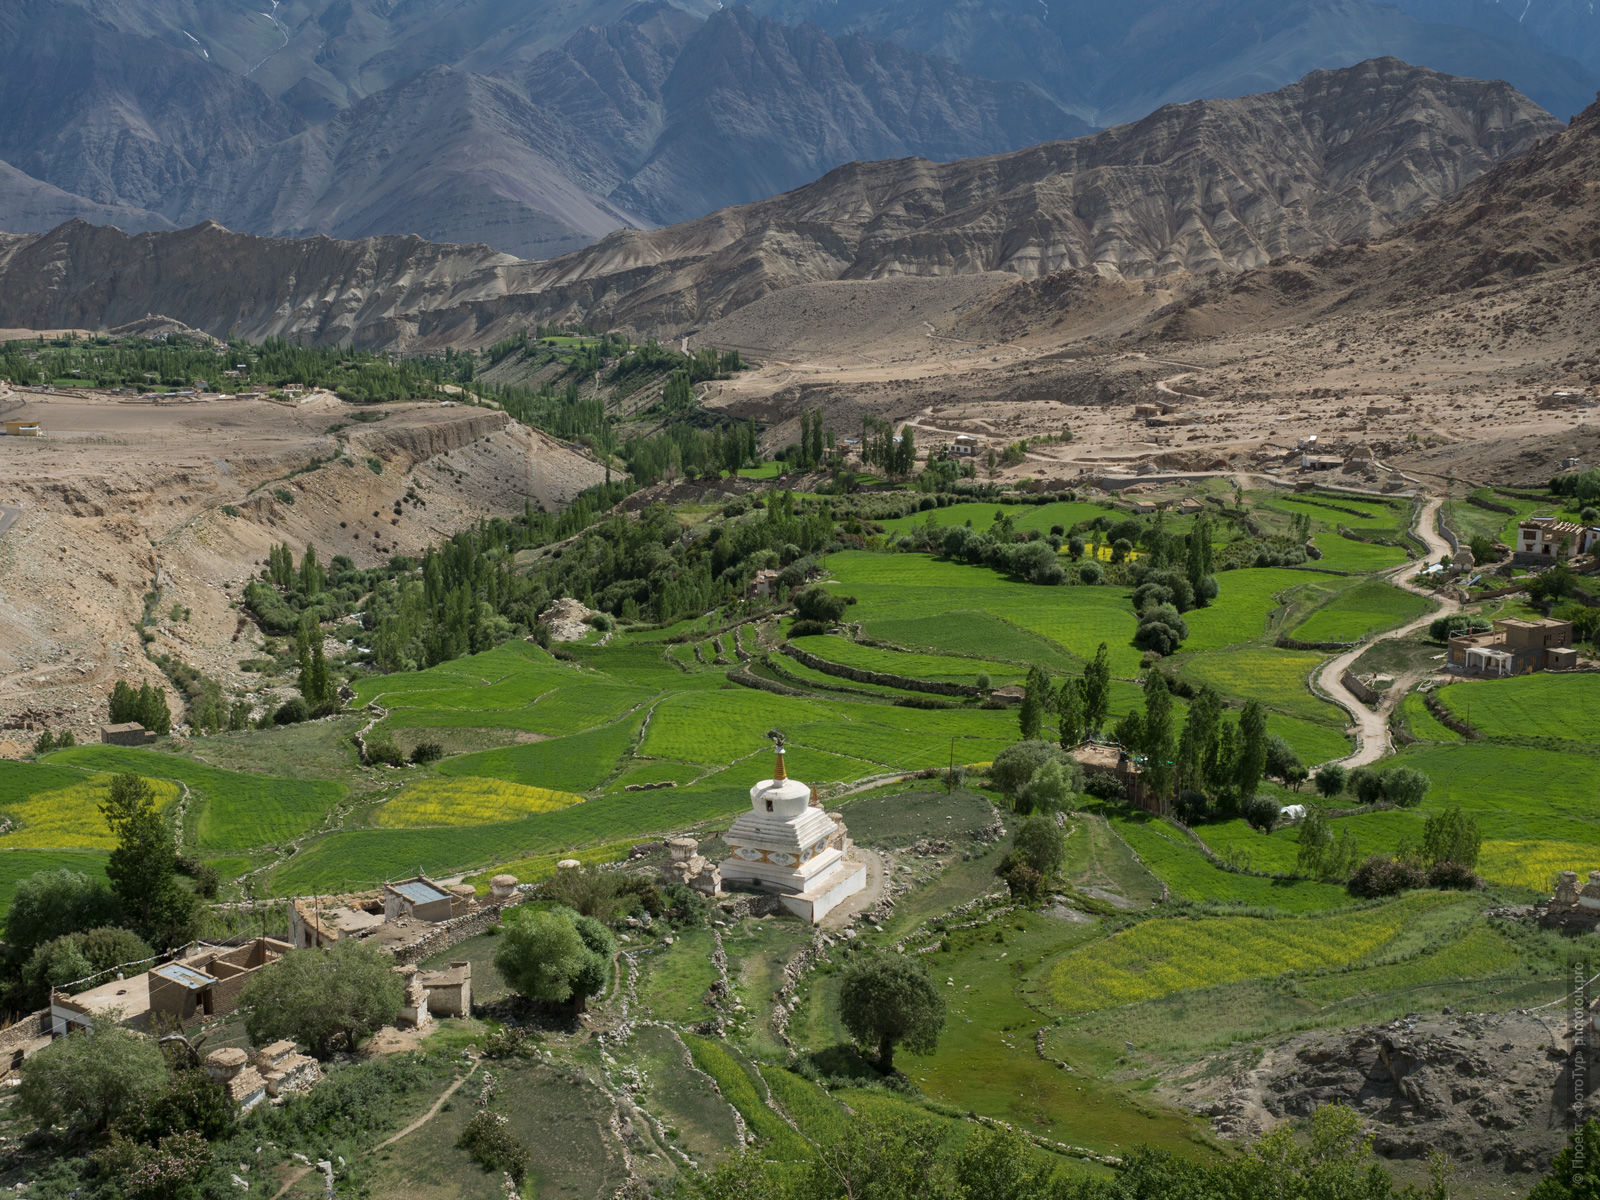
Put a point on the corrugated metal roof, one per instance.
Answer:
(418, 892)
(187, 976)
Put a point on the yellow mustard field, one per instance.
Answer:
(70, 816)
(1158, 958)
(469, 801)
(1535, 864)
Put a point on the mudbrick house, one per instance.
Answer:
(203, 983)
(1514, 647)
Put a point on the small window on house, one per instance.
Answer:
(769, 805)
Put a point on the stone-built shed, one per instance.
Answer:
(418, 898)
(128, 733)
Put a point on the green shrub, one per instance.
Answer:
(426, 752)
(493, 1147)
(1261, 812)
(1380, 876)
(382, 750)
(291, 712)
(1014, 766)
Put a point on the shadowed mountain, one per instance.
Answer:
(1202, 188)
(1115, 62)
(657, 117)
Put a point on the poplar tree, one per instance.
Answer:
(1069, 704)
(1250, 758)
(1158, 742)
(1097, 690)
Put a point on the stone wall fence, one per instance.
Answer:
(456, 930)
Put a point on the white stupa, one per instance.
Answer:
(788, 846)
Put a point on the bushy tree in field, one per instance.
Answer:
(1330, 780)
(1451, 836)
(1039, 843)
(1365, 785)
(819, 604)
(54, 964)
(1050, 787)
(1161, 629)
(1015, 766)
(323, 999)
(1261, 812)
(86, 1080)
(1283, 763)
(554, 956)
(888, 1001)
(1404, 787)
(49, 904)
(1316, 839)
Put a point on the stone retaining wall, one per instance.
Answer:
(450, 933)
(1361, 691)
(15, 1038)
(1449, 719)
(1288, 643)
(744, 677)
(880, 678)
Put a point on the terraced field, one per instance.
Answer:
(1370, 607)
(1558, 708)
(469, 801)
(1160, 958)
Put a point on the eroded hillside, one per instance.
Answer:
(140, 519)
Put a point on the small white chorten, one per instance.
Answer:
(788, 846)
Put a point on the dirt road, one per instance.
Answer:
(1372, 726)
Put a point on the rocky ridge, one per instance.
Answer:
(1203, 188)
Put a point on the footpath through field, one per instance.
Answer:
(1372, 727)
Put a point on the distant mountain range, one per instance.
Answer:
(1200, 188)
(656, 117)
(540, 126)
(1116, 62)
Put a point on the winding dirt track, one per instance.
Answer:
(1372, 727)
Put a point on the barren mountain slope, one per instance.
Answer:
(1431, 353)
(1525, 238)
(126, 498)
(118, 118)
(373, 291)
(1210, 186)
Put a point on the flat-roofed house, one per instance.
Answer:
(203, 982)
(1515, 647)
(1546, 539)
